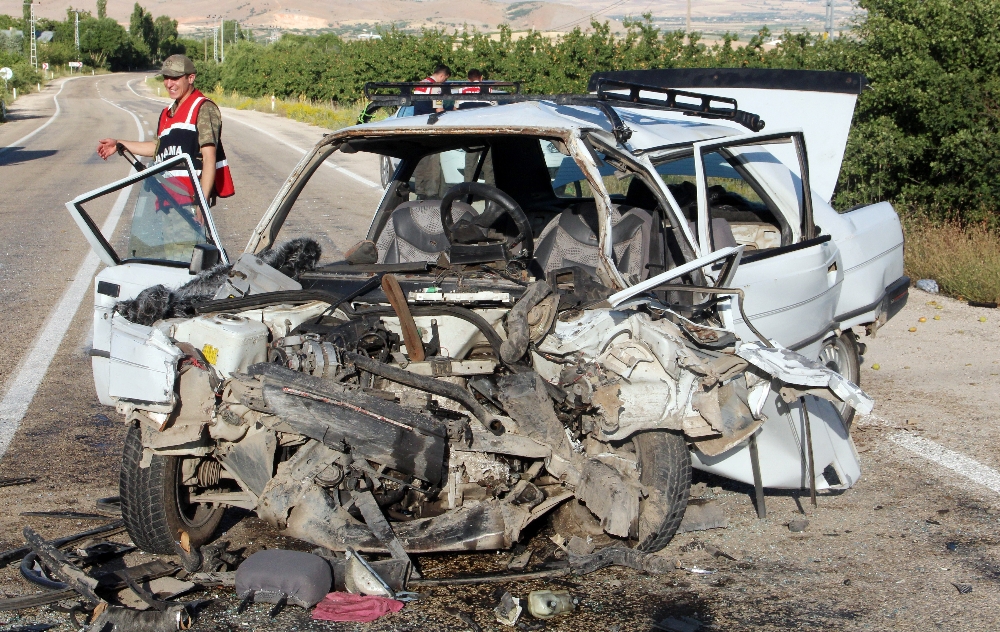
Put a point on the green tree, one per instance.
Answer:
(102, 9)
(105, 42)
(26, 9)
(142, 30)
(928, 132)
(8, 22)
(167, 44)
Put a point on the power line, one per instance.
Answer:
(589, 17)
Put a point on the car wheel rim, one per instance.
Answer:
(834, 356)
(386, 171)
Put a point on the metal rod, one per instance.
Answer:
(758, 483)
(411, 335)
(809, 448)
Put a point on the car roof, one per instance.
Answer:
(650, 128)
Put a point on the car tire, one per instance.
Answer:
(665, 470)
(385, 170)
(842, 354)
(152, 501)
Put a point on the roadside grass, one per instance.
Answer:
(331, 117)
(964, 260)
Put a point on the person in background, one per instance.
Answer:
(475, 75)
(440, 75)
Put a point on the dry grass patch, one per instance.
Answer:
(964, 260)
(320, 114)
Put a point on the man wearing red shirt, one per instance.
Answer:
(176, 134)
(440, 75)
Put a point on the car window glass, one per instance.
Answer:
(679, 176)
(782, 184)
(743, 211)
(569, 181)
(436, 173)
(163, 219)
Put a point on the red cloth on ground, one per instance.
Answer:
(342, 606)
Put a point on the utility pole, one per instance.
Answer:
(222, 39)
(76, 31)
(688, 27)
(829, 19)
(33, 52)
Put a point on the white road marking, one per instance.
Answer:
(19, 141)
(350, 174)
(22, 388)
(960, 464)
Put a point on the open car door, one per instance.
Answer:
(166, 234)
(748, 196)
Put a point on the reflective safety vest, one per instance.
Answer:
(178, 134)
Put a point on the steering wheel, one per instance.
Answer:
(473, 238)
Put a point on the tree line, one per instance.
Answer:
(104, 43)
(925, 136)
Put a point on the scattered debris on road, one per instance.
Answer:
(10, 482)
(509, 610)
(545, 604)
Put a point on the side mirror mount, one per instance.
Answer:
(203, 257)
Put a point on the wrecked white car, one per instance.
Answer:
(515, 333)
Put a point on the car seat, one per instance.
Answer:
(570, 239)
(414, 231)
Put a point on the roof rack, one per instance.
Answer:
(706, 105)
(401, 94)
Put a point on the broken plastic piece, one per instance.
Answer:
(545, 604)
(362, 578)
(520, 560)
(928, 285)
(699, 571)
(509, 610)
(56, 561)
(161, 589)
(127, 620)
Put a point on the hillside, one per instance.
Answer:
(710, 16)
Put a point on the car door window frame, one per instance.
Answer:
(100, 243)
(643, 168)
(701, 149)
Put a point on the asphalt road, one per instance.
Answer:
(883, 555)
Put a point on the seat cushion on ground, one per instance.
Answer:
(301, 578)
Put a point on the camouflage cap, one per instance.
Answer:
(177, 66)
